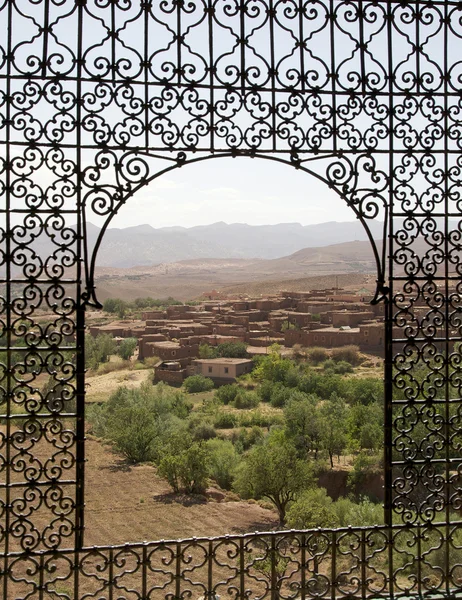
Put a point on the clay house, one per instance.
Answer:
(346, 318)
(168, 351)
(170, 372)
(222, 370)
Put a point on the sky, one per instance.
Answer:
(242, 190)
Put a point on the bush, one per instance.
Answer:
(246, 399)
(292, 378)
(98, 349)
(187, 470)
(113, 365)
(280, 395)
(204, 431)
(232, 350)
(223, 462)
(225, 420)
(127, 347)
(197, 383)
(364, 465)
(348, 353)
(313, 508)
(265, 390)
(343, 367)
(317, 355)
(246, 438)
(206, 351)
(338, 368)
(227, 393)
(257, 418)
(151, 361)
(141, 421)
(362, 513)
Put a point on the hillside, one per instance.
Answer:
(189, 279)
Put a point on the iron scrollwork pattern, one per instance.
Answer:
(100, 97)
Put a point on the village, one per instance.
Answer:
(327, 318)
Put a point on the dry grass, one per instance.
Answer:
(100, 387)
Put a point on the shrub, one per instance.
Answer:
(273, 366)
(363, 513)
(313, 508)
(349, 353)
(227, 393)
(317, 355)
(232, 350)
(127, 347)
(206, 351)
(280, 395)
(151, 361)
(98, 349)
(187, 470)
(246, 438)
(246, 399)
(225, 420)
(197, 383)
(292, 378)
(110, 367)
(140, 421)
(265, 390)
(257, 418)
(223, 462)
(337, 368)
(194, 469)
(343, 367)
(204, 431)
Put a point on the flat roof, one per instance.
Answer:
(228, 361)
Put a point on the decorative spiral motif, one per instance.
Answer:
(99, 97)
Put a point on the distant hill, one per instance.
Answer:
(188, 279)
(145, 245)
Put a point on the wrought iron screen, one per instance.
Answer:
(98, 98)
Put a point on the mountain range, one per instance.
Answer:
(144, 245)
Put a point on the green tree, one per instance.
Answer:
(304, 423)
(365, 427)
(227, 393)
(187, 469)
(197, 383)
(98, 349)
(127, 347)
(206, 351)
(273, 470)
(272, 367)
(232, 350)
(141, 422)
(333, 428)
(109, 305)
(223, 462)
(364, 390)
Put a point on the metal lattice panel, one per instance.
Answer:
(98, 98)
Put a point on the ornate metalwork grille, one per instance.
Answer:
(98, 98)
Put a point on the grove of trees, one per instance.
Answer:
(265, 437)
